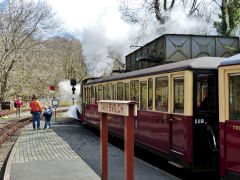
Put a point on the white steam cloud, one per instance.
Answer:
(178, 22)
(97, 46)
(109, 34)
(72, 111)
(65, 91)
(98, 39)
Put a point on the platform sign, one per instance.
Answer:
(116, 107)
(128, 109)
(55, 102)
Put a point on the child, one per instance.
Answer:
(48, 114)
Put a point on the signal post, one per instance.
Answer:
(128, 109)
(73, 83)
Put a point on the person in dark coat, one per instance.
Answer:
(47, 114)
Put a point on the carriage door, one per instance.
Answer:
(177, 120)
(233, 124)
(205, 121)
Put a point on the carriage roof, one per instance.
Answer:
(231, 60)
(196, 63)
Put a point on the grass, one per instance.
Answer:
(65, 103)
(25, 107)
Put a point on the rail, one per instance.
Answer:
(6, 112)
(10, 128)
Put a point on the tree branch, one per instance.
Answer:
(157, 12)
(172, 4)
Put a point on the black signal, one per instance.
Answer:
(73, 82)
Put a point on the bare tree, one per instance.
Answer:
(21, 23)
(116, 58)
(67, 51)
(140, 11)
(46, 64)
(154, 15)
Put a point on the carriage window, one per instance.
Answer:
(104, 92)
(107, 92)
(100, 97)
(126, 91)
(96, 95)
(143, 95)
(120, 91)
(234, 98)
(92, 95)
(179, 95)
(114, 92)
(150, 93)
(89, 94)
(206, 92)
(162, 94)
(134, 86)
(85, 96)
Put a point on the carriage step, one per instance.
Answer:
(175, 164)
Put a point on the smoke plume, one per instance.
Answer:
(65, 91)
(104, 36)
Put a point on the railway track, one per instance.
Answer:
(10, 128)
(7, 112)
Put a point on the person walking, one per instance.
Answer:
(36, 110)
(48, 114)
(18, 104)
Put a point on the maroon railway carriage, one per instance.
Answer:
(177, 109)
(229, 117)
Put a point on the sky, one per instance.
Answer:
(102, 31)
(80, 14)
(99, 26)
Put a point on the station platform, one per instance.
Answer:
(69, 151)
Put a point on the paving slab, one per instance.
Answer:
(70, 151)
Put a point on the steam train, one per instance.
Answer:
(188, 111)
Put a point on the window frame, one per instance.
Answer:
(140, 95)
(150, 78)
(120, 82)
(126, 83)
(229, 106)
(180, 77)
(100, 89)
(223, 83)
(168, 88)
(137, 99)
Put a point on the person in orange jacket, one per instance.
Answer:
(36, 110)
